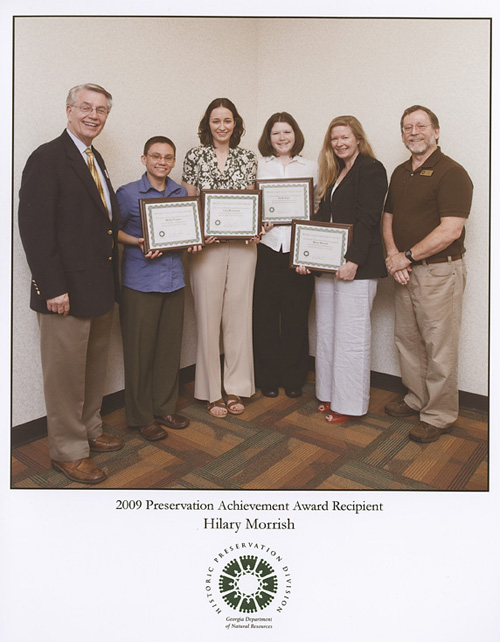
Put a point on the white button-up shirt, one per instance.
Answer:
(271, 167)
(81, 148)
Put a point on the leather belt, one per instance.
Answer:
(439, 259)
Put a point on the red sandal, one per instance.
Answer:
(336, 418)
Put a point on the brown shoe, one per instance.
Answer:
(105, 443)
(399, 408)
(234, 405)
(80, 470)
(217, 409)
(425, 433)
(177, 422)
(153, 432)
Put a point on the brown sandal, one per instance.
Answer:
(217, 404)
(231, 402)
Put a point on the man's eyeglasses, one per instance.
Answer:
(409, 128)
(87, 109)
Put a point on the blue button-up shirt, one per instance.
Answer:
(163, 274)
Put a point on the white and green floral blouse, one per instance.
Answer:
(201, 169)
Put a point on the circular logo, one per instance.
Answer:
(161, 233)
(248, 583)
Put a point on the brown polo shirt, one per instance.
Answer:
(419, 199)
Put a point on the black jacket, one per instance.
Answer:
(70, 243)
(359, 200)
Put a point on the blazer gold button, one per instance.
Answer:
(110, 258)
(110, 231)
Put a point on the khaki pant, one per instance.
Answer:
(428, 317)
(74, 353)
(222, 277)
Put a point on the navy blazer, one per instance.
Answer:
(359, 200)
(70, 243)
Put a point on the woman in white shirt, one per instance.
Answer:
(281, 295)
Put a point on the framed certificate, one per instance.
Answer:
(286, 199)
(171, 223)
(232, 214)
(319, 246)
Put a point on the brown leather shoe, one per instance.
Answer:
(153, 432)
(105, 443)
(177, 422)
(424, 433)
(399, 408)
(83, 471)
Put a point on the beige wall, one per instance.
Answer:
(163, 72)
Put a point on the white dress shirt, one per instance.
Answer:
(271, 167)
(81, 148)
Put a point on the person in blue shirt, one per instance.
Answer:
(152, 303)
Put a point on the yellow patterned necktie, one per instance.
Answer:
(95, 176)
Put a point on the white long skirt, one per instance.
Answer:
(343, 350)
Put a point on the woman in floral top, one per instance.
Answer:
(222, 274)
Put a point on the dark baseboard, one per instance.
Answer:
(387, 382)
(467, 400)
(113, 402)
(471, 401)
(36, 429)
(28, 432)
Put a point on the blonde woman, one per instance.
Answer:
(352, 186)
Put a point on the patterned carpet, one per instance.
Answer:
(280, 444)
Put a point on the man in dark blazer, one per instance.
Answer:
(68, 220)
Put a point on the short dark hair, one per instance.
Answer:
(204, 132)
(158, 139)
(265, 147)
(410, 110)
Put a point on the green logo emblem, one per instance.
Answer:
(248, 584)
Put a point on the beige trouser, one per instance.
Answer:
(222, 277)
(74, 353)
(428, 316)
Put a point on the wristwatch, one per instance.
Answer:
(410, 257)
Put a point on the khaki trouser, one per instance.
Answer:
(428, 317)
(222, 277)
(74, 353)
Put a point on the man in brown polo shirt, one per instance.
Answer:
(427, 205)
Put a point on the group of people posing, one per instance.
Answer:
(244, 291)
(245, 294)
